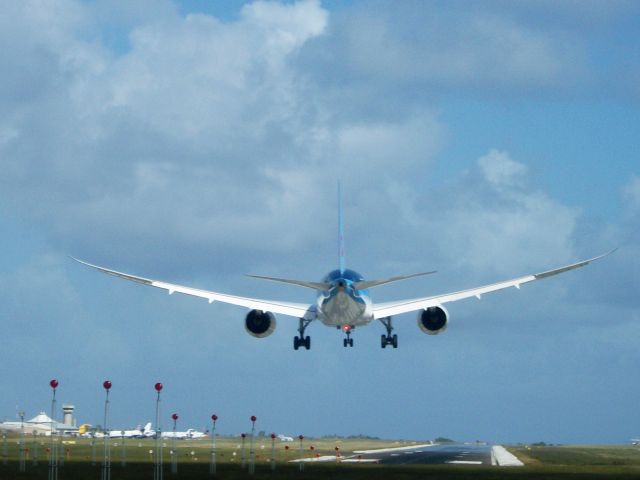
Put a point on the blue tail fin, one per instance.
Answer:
(341, 256)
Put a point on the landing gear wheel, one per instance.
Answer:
(348, 342)
(301, 340)
(388, 339)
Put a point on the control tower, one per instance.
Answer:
(67, 418)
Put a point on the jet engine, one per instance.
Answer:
(260, 324)
(433, 320)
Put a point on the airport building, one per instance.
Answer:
(41, 424)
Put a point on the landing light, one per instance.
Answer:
(346, 328)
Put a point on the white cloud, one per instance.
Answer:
(493, 222)
(631, 194)
(500, 170)
(449, 48)
(388, 149)
(202, 149)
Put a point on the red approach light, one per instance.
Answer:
(243, 435)
(312, 448)
(214, 417)
(158, 387)
(253, 418)
(286, 447)
(174, 416)
(106, 384)
(273, 436)
(54, 383)
(301, 437)
(346, 328)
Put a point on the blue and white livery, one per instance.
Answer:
(343, 300)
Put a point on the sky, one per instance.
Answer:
(199, 141)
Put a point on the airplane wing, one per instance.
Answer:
(387, 309)
(298, 310)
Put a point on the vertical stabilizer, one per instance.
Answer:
(340, 232)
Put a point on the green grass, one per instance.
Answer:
(579, 455)
(562, 463)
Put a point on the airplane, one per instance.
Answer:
(135, 433)
(190, 434)
(343, 300)
(284, 438)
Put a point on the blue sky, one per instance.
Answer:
(195, 142)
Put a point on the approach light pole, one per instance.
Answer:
(123, 452)
(5, 455)
(243, 459)
(22, 465)
(53, 456)
(174, 456)
(93, 448)
(212, 465)
(106, 462)
(35, 450)
(273, 451)
(157, 472)
(301, 438)
(252, 451)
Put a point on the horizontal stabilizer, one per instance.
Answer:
(300, 283)
(364, 284)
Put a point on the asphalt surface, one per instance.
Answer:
(437, 454)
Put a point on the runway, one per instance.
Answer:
(430, 454)
(451, 454)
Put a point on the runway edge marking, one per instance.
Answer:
(503, 458)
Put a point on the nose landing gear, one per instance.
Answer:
(347, 342)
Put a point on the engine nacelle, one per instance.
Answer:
(260, 324)
(433, 320)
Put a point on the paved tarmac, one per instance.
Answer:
(436, 454)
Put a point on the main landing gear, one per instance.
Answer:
(302, 341)
(388, 339)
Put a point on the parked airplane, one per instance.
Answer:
(343, 301)
(190, 434)
(135, 433)
(284, 438)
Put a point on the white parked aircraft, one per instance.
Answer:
(135, 433)
(343, 300)
(284, 438)
(190, 434)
